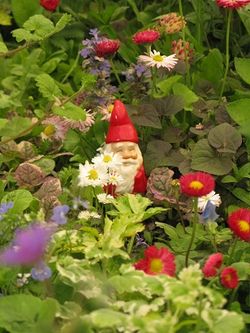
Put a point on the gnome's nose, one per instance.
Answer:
(126, 154)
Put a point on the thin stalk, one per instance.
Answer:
(232, 250)
(195, 221)
(115, 72)
(130, 244)
(198, 22)
(188, 78)
(229, 18)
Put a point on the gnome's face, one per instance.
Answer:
(131, 162)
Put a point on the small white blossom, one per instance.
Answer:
(86, 215)
(155, 59)
(114, 178)
(93, 175)
(109, 160)
(212, 197)
(105, 198)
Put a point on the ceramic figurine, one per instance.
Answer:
(122, 139)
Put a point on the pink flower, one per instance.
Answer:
(107, 47)
(157, 261)
(50, 5)
(146, 36)
(232, 3)
(212, 265)
(229, 278)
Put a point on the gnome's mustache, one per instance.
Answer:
(129, 161)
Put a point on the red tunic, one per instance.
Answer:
(140, 184)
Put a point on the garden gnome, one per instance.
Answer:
(122, 139)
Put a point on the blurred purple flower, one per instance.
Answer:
(86, 52)
(77, 202)
(95, 33)
(209, 213)
(59, 214)
(28, 246)
(4, 207)
(41, 272)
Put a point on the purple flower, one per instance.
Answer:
(209, 213)
(86, 52)
(28, 246)
(41, 272)
(95, 33)
(4, 207)
(59, 214)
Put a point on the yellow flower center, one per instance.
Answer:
(158, 58)
(196, 185)
(156, 266)
(49, 130)
(244, 226)
(110, 108)
(107, 158)
(228, 277)
(93, 174)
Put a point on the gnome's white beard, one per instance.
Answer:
(127, 171)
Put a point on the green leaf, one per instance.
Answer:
(230, 322)
(46, 164)
(144, 115)
(5, 19)
(242, 194)
(3, 47)
(22, 34)
(156, 154)
(70, 111)
(168, 229)
(243, 269)
(188, 95)
(40, 25)
(15, 127)
(205, 158)
(242, 66)
(26, 313)
(211, 62)
(225, 138)
(61, 24)
(21, 198)
(23, 9)
(239, 112)
(47, 86)
(228, 179)
(107, 318)
(166, 85)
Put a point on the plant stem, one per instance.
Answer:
(130, 244)
(115, 72)
(199, 12)
(188, 79)
(229, 18)
(232, 250)
(195, 221)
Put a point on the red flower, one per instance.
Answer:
(157, 261)
(212, 264)
(197, 184)
(232, 3)
(50, 5)
(239, 222)
(106, 47)
(229, 277)
(146, 36)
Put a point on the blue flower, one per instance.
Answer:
(59, 214)
(209, 213)
(4, 207)
(41, 272)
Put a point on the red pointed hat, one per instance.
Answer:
(120, 125)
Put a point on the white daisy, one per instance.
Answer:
(93, 175)
(212, 197)
(109, 160)
(105, 198)
(158, 60)
(86, 215)
(114, 178)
